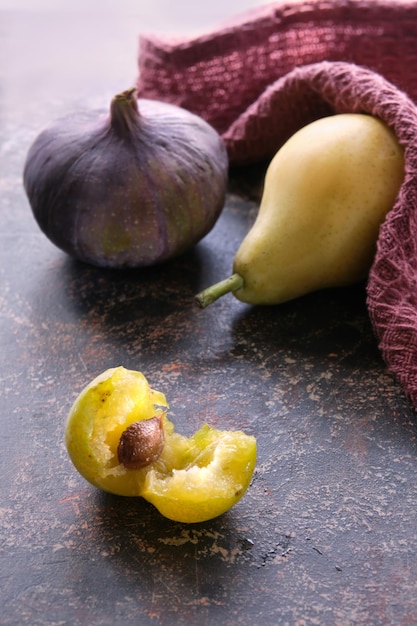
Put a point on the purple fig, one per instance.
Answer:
(127, 189)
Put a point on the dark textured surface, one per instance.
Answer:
(327, 532)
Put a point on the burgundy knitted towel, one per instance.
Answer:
(275, 70)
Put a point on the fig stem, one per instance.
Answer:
(124, 112)
(216, 291)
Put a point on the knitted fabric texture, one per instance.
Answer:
(276, 69)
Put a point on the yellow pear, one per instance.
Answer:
(326, 192)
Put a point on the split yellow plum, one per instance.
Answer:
(119, 438)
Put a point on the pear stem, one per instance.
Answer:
(216, 291)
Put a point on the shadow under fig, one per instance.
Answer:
(113, 295)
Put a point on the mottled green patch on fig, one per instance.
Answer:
(116, 240)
